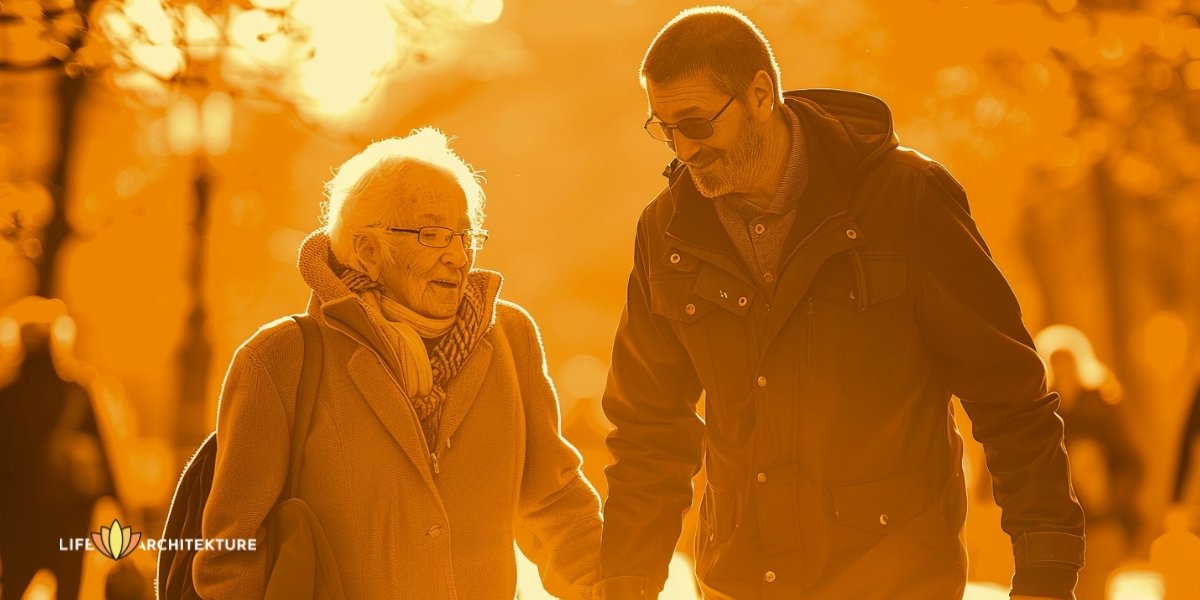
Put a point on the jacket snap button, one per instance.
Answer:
(853, 296)
(883, 519)
(762, 381)
(760, 229)
(852, 234)
(675, 259)
(762, 478)
(769, 576)
(742, 301)
(435, 531)
(690, 309)
(767, 277)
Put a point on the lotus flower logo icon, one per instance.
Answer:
(116, 542)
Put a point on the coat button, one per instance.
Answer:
(769, 576)
(742, 301)
(767, 277)
(762, 381)
(852, 234)
(762, 477)
(760, 229)
(690, 309)
(435, 531)
(675, 259)
(883, 519)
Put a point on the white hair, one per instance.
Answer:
(371, 189)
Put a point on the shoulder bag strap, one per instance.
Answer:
(306, 397)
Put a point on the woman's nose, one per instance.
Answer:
(455, 254)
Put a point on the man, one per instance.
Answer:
(827, 291)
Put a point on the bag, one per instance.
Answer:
(302, 563)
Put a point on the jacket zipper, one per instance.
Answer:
(434, 457)
(815, 230)
(860, 279)
(808, 344)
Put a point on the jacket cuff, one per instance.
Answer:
(1051, 582)
(1048, 563)
(627, 587)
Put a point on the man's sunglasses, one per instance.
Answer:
(696, 128)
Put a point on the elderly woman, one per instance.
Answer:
(435, 436)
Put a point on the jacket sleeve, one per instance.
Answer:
(657, 444)
(558, 510)
(970, 319)
(252, 457)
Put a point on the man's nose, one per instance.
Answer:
(685, 147)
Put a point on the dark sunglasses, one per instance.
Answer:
(696, 128)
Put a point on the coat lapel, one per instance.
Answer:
(463, 390)
(392, 408)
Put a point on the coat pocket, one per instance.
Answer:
(672, 296)
(881, 505)
(717, 518)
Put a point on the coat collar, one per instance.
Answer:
(334, 304)
(832, 158)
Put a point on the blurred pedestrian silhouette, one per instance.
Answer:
(1186, 488)
(1105, 466)
(52, 459)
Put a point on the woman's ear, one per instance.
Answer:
(366, 248)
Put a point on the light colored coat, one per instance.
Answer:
(398, 528)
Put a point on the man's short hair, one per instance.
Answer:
(713, 41)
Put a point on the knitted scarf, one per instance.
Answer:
(450, 352)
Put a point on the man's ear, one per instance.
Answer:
(366, 248)
(762, 93)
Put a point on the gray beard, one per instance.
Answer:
(739, 169)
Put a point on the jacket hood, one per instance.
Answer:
(855, 128)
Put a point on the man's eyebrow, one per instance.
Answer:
(683, 113)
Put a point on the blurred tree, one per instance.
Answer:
(1135, 79)
(194, 59)
(43, 35)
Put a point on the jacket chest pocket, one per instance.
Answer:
(709, 311)
(856, 320)
(859, 280)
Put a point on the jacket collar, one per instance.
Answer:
(845, 133)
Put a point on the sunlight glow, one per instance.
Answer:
(354, 42)
(485, 11)
(201, 34)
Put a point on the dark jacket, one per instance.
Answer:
(833, 463)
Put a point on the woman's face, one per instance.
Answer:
(429, 280)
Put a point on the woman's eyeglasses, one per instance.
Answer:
(697, 128)
(440, 237)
